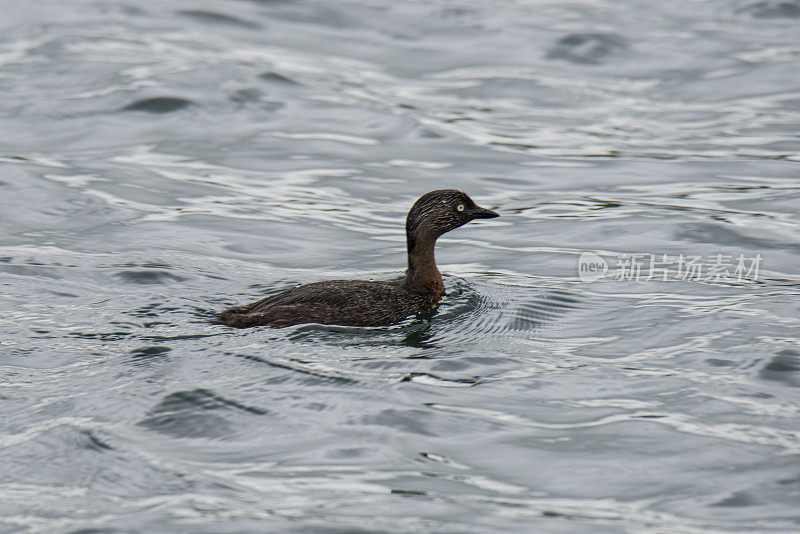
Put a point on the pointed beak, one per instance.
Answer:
(482, 213)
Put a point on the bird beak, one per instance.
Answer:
(482, 213)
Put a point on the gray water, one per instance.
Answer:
(160, 161)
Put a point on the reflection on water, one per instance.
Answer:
(163, 161)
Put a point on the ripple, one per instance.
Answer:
(478, 311)
(726, 236)
(249, 160)
(784, 367)
(183, 414)
(410, 421)
(162, 104)
(433, 380)
(587, 48)
(247, 95)
(212, 17)
(768, 9)
(149, 354)
(34, 271)
(313, 374)
(327, 136)
(274, 77)
(535, 314)
(148, 277)
(740, 498)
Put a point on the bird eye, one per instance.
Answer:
(460, 207)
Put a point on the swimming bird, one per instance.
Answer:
(368, 302)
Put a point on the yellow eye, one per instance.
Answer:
(460, 207)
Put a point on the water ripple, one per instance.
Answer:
(165, 160)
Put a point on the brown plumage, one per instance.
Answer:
(372, 303)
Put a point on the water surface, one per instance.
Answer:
(164, 160)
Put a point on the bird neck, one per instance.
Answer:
(422, 275)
